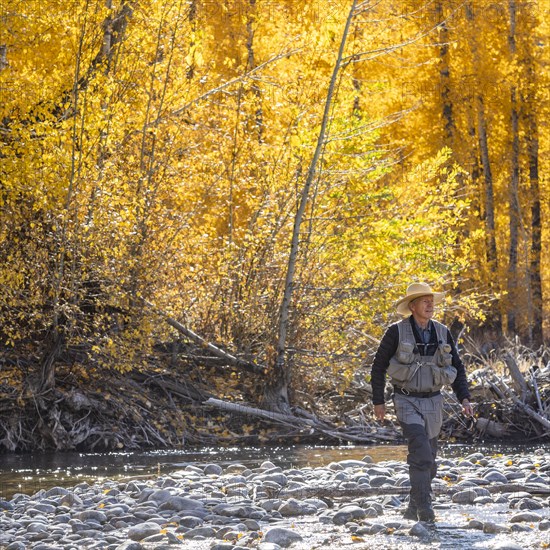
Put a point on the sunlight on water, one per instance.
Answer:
(32, 472)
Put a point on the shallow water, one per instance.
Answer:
(28, 473)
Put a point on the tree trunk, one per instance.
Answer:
(483, 144)
(445, 75)
(536, 232)
(513, 188)
(276, 391)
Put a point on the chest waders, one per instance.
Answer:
(417, 381)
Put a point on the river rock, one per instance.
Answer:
(348, 513)
(143, 530)
(525, 516)
(181, 504)
(200, 533)
(529, 504)
(292, 507)
(419, 530)
(464, 497)
(495, 477)
(494, 528)
(282, 537)
(213, 469)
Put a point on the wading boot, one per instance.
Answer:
(421, 494)
(426, 514)
(411, 512)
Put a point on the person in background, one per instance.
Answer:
(419, 356)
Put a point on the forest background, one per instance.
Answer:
(202, 199)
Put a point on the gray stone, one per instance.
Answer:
(317, 502)
(190, 521)
(348, 513)
(160, 496)
(252, 525)
(378, 481)
(293, 507)
(143, 530)
(544, 525)
(483, 500)
(92, 515)
(529, 504)
(372, 529)
(5, 505)
(419, 530)
(181, 504)
(213, 469)
(494, 528)
(200, 532)
(353, 463)
(495, 477)
(240, 511)
(278, 478)
(475, 524)
(282, 537)
(525, 516)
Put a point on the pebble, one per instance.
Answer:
(224, 508)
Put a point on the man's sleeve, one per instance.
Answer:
(386, 350)
(460, 385)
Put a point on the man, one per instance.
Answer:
(420, 357)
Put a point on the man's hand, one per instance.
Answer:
(467, 407)
(380, 412)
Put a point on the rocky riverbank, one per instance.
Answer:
(498, 502)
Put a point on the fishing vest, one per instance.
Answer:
(413, 372)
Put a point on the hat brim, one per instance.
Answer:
(402, 305)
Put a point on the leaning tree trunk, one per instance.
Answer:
(276, 391)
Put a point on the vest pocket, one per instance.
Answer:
(405, 353)
(443, 375)
(399, 372)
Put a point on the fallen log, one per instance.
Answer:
(313, 425)
(491, 428)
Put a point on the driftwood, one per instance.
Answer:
(518, 378)
(526, 408)
(494, 429)
(311, 424)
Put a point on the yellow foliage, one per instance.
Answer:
(159, 152)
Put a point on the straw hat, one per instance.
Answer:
(415, 290)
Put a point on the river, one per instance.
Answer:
(28, 473)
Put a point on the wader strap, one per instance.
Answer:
(441, 331)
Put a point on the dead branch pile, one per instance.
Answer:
(207, 397)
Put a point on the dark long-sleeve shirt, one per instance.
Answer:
(387, 349)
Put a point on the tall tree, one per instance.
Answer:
(276, 393)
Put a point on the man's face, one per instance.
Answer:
(422, 308)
